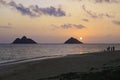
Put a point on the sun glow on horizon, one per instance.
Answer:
(81, 38)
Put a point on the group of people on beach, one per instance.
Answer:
(110, 48)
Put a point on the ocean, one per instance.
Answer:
(22, 52)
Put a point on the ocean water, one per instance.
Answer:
(20, 52)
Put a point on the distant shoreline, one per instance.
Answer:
(61, 43)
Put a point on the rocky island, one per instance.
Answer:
(23, 40)
(73, 41)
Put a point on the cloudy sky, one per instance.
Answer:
(54, 21)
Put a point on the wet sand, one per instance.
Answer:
(37, 69)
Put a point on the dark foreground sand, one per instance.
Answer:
(35, 70)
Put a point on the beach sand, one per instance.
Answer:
(35, 70)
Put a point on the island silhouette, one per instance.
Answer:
(73, 41)
(24, 40)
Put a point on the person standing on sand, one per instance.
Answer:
(113, 48)
(108, 48)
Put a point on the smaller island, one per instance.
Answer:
(73, 41)
(23, 40)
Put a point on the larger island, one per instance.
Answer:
(24, 40)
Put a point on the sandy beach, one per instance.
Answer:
(35, 70)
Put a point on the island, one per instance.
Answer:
(24, 40)
(73, 41)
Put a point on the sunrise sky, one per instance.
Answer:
(54, 21)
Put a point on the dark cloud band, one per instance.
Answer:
(68, 26)
(117, 22)
(95, 15)
(101, 1)
(35, 10)
(108, 1)
(5, 27)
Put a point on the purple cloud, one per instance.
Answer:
(5, 27)
(107, 1)
(35, 10)
(52, 11)
(116, 22)
(86, 20)
(95, 15)
(67, 26)
(101, 1)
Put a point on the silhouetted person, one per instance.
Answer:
(113, 48)
(108, 48)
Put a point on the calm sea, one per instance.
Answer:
(20, 52)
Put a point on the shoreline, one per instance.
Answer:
(34, 70)
(7, 62)
(10, 62)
